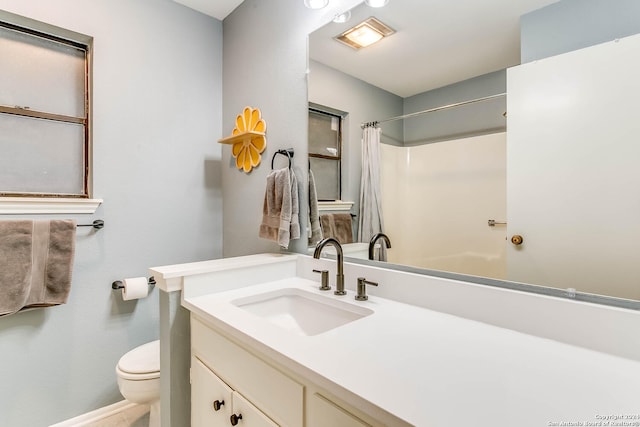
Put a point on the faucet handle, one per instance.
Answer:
(324, 279)
(362, 288)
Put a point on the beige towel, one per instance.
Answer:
(315, 230)
(36, 261)
(280, 210)
(338, 226)
(343, 229)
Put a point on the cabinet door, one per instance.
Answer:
(251, 416)
(211, 400)
(324, 413)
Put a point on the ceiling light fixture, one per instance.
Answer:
(342, 18)
(316, 4)
(365, 33)
(376, 3)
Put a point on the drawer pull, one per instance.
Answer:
(217, 404)
(235, 418)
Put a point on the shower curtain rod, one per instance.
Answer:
(431, 110)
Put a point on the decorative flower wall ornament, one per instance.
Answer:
(248, 139)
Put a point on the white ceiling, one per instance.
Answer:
(217, 8)
(438, 42)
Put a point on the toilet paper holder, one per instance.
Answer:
(119, 285)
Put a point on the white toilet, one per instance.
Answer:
(139, 378)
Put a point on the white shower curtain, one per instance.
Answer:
(370, 217)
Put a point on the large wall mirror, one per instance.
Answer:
(461, 184)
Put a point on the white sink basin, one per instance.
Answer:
(302, 312)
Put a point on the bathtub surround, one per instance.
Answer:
(462, 183)
(158, 113)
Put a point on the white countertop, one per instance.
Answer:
(433, 369)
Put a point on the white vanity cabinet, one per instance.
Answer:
(321, 412)
(264, 394)
(215, 404)
(251, 383)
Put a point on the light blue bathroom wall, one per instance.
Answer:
(365, 102)
(464, 121)
(157, 106)
(362, 102)
(574, 24)
(265, 63)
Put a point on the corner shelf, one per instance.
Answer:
(241, 137)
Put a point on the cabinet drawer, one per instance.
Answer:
(277, 395)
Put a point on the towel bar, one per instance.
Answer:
(97, 224)
(119, 285)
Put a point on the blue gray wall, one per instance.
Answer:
(574, 24)
(157, 116)
(363, 102)
(459, 122)
(265, 64)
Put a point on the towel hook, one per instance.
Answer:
(288, 152)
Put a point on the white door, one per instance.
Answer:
(573, 170)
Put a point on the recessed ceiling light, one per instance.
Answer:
(342, 18)
(316, 4)
(365, 33)
(376, 3)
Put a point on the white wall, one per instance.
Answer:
(437, 199)
(157, 116)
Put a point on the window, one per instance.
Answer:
(45, 134)
(325, 152)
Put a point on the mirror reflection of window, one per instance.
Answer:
(325, 152)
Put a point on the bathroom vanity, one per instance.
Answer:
(226, 377)
(269, 348)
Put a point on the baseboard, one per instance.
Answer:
(97, 415)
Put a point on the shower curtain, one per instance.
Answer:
(370, 216)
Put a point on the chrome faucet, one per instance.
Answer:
(374, 239)
(340, 269)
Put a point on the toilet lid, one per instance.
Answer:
(141, 360)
